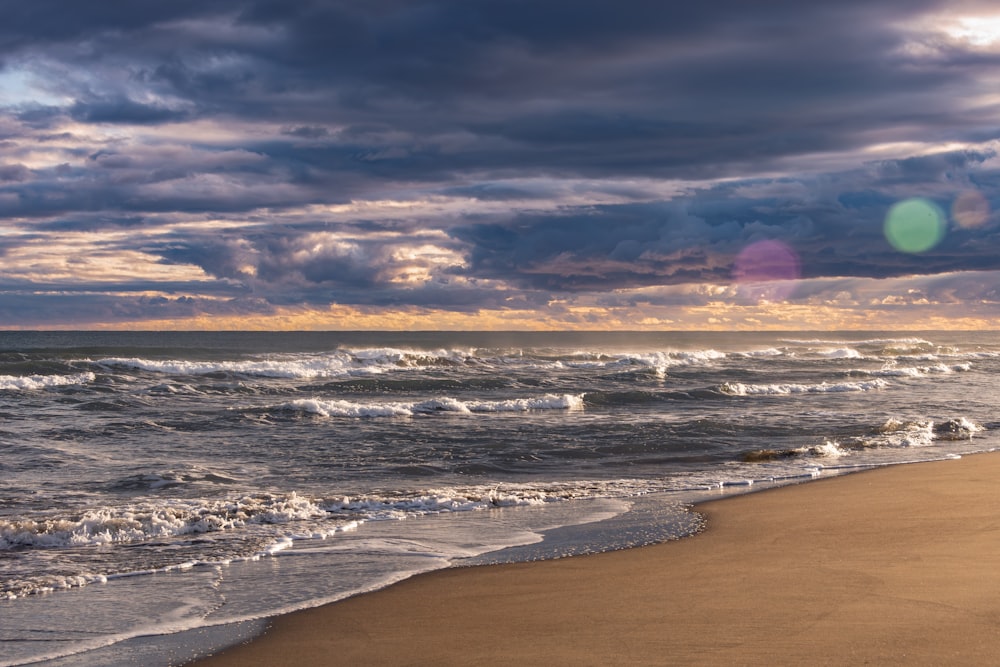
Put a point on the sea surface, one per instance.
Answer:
(161, 494)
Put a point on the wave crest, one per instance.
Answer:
(342, 408)
(36, 382)
(741, 389)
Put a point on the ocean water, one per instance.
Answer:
(161, 494)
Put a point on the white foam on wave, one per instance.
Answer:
(37, 382)
(293, 518)
(917, 371)
(839, 353)
(867, 341)
(149, 520)
(741, 389)
(902, 433)
(409, 357)
(658, 362)
(342, 408)
(898, 433)
(830, 449)
(957, 429)
(485, 497)
(629, 361)
(340, 363)
(326, 366)
(767, 352)
(136, 523)
(51, 583)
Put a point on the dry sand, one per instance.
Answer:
(892, 566)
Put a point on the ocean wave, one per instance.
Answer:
(903, 433)
(340, 363)
(627, 362)
(839, 353)
(36, 382)
(830, 449)
(867, 341)
(407, 358)
(899, 433)
(894, 433)
(741, 389)
(145, 521)
(290, 517)
(916, 371)
(321, 516)
(342, 408)
(175, 390)
(167, 480)
(767, 352)
(327, 366)
(343, 364)
(957, 429)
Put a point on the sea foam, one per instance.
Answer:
(339, 363)
(37, 382)
(343, 408)
(741, 389)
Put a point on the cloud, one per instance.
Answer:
(123, 111)
(464, 155)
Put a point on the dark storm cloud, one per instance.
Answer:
(496, 101)
(123, 111)
(43, 22)
(836, 231)
(582, 87)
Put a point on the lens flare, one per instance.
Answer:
(970, 209)
(767, 270)
(914, 225)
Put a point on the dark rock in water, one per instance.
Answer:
(761, 455)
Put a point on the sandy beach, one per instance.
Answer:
(892, 566)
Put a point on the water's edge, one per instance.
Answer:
(629, 530)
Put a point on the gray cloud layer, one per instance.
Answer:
(136, 120)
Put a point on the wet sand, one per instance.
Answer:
(891, 566)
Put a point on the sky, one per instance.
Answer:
(474, 164)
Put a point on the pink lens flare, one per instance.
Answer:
(767, 270)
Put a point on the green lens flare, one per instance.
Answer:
(914, 225)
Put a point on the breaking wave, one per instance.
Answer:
(894, 433)
(36, 382)
(916, 371)
(341, 363)
(150, 521)
(741, 389)
(342, 408)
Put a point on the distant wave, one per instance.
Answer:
(916, 371)
(767, 352)
(36, 382)
(657, 363)
(347, 363)
(342, 408)
(868, 341)
(840, 353)
(341, 363)
(741, 389)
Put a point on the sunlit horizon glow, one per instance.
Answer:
(226, 167)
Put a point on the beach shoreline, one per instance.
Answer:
(896, 565)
